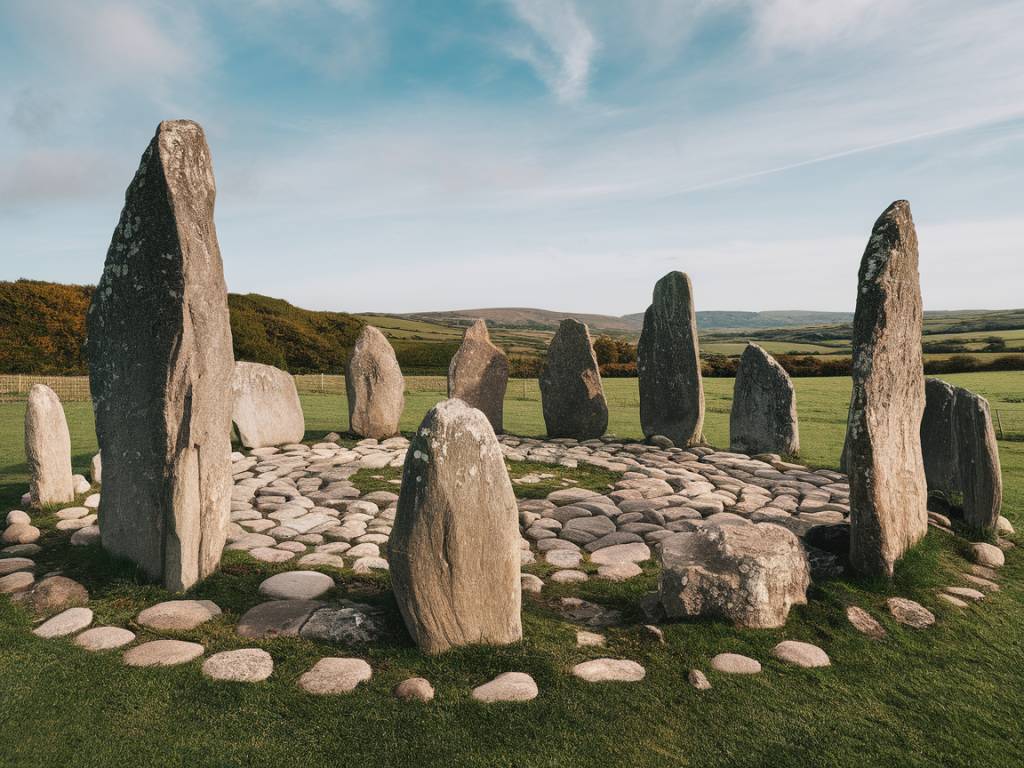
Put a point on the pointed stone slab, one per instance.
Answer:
(572, 396)
(668, 364)
(763, 417)
(374, 385)
(47, 448)
(160, 364)
(478, 374)
(265, 406)
(454, 549)
(888, 494)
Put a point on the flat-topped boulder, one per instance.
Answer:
(572, 396)
(374, 386)
(763, 418)
(47, 448)
(478, 374)
(668, 364)
(265, 406)
(888, 493)
(160, 364)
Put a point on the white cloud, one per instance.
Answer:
(811, 24)
(563, 53)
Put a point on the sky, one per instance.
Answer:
(402, 156)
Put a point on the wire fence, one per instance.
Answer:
(14, 387)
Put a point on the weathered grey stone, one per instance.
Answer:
(478, 374)
(353, 623)
(47, 448)
(160, 362)
(960, 452)
(509, 686)
(55, 593)
(572, 396)
(888, 494)
(277, 618)
(265, 406)
(668, 364)
(96, 469)
(454, 549)
(245, 665)
(748, 574)
(763, 417)
(375, 387)
(333, 676)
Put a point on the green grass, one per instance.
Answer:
(949, 696)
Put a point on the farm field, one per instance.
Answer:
(950, 696)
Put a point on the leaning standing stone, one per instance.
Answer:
(888, 494)
(572, 396)
(375, 387)
(478, 374)
(265, 406)
(763, 417)
(47, 448)
(160, 362)
(668, 363)
(454, 549)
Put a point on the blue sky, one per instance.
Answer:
(397, 156)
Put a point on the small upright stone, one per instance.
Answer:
(763, 417)
(668, 364)
(888, 493)
(160, 363)
(478, 374)
(572, 396)
(454, 548)
(47, 448)
(374, 385)
(265, 406)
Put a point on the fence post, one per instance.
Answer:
(321, 383)
(999, 425)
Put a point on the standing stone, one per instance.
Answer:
(47, 448)
(668, 363)
(160, 363)
(454, 549)
(961, 455)
(888, 494)
(478, 374)
(375, 387)
(763, 417)
(266, 408)
(572, 396)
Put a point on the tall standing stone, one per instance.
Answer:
(478, 374)
(47, 448)
(265, 406)
(763, 417)
(454, 550)
(375, 387)
(572, 397)
(668, 363)
(961, 455)
(888, 494)
(160, 363)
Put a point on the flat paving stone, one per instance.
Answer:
(735, 664)
(561, 558)
(277, 618)
(414, 689)
(18, 581)
(965, 593)
(246, 665)
(987, 555)
(333, 675)
(568, 577)
(909, 613)
(586, 639)
(864, 622)
(10, 565)
(801, 654)
(271, 555)
(621, 553)
(66, 623)
(619, 571)
(104, 638)
(508, 686)
(297, 585)
(162, 653)
(176, 615)
(609, 671)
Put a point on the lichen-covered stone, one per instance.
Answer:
(763, 417)
(160, 363)
(374, 385)
(265, 406)
(478, 374)
(454, 549)
(47, 448)
(668, 364)
(572, 396)
(888, 493)
(748, 574)
(960, 452)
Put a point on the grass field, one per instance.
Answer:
(950, 696)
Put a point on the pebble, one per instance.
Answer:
(66, 623)
(297, 585)
(162, 653)
(909, 613)
(176, 615)
(530, 583)
(20, 533)
(735, 664)
(699, 680)
(246, 665)
(333, 675)
(609, 671)
(801, 654)
(987, 555)
(104, 638)
(509, 686)
(414, 689)
(864, 622)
